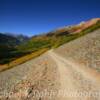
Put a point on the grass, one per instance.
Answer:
(22, 59)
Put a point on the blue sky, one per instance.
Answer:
(31, 17)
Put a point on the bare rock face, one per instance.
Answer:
(70, 72)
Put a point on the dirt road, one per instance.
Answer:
(75, 81)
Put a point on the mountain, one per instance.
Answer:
(79, 27)
(69, 72)
(22, 38)
(87, 24)
(59, 36)
(8, 50)
(19, 37)
(22, 45)
(8, 40)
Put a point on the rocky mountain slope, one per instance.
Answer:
(70, 72)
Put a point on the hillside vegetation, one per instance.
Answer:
(42, 42)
